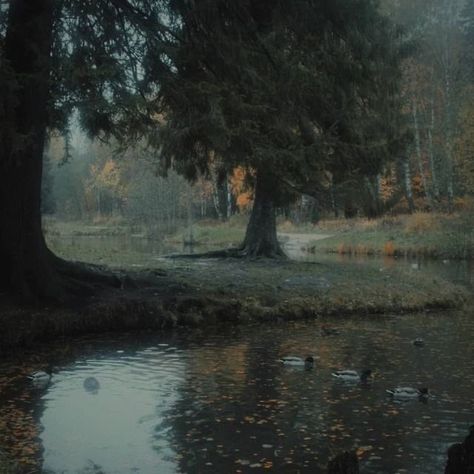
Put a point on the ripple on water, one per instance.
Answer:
(211, 404)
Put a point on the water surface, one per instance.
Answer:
(219, 401)
(189, 402)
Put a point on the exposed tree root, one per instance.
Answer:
(240, 252)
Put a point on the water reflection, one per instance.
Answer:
(200, 402)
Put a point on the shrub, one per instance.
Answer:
(389, 249)
(420, 222)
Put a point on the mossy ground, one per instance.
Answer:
(204, 292)
(161, 292)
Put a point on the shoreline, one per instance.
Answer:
(204, 293)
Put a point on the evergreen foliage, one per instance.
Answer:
(305, 90)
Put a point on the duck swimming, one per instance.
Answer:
(405, 393)
(329, 331)
(352, 375)
(419, 342)
(308, 363)
(40, 379)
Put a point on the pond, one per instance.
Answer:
(220, 401)
(195, 402)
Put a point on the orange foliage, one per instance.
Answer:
(341, 249)
(244, 197)
(389, 249)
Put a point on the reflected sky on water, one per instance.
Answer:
(198, 402)
(217, 401)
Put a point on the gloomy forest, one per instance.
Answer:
(236, 236)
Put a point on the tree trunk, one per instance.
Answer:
(461, 456)
(28, 268)
(447, 64)
(261, 236)
(434, 174)
(419, 158)
(407, 183)
(26, 264)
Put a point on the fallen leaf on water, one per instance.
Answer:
(362, 450)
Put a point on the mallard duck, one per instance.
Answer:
(352, 375)
(329, 331)
(40, 379)
(419, 342)
(298, 361)
(408, 392)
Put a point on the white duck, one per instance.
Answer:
(352, 375)
(308, 363)
(405, 393)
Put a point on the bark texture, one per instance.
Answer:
(461, 456)
(28, 268)
(26, 265)
(261, 236)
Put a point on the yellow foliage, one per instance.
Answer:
(464, 144)
(421, 222)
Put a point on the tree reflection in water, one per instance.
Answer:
(217, 401)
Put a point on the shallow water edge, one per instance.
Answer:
(204, 293)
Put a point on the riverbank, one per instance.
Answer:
(208, 292)
(432, 235)
(421, 234)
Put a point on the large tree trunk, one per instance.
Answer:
(26, 264)
(28, 269)
(261, 236)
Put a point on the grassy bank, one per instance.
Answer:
(204, 292)
(419, 234)
(207, 232)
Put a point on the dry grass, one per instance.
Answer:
(421, 222)
(415, 223)
(421, 234)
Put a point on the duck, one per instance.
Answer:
(405, 393)
(352, 375)
(308, 363)
(419, 342)
(40, 379)
(329, 331)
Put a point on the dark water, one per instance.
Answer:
(218, 402)
(214, 403)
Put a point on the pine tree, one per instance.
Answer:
(55, 57)
(300, 93)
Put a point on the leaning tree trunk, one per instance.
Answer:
(26, 267)
(261, 236)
